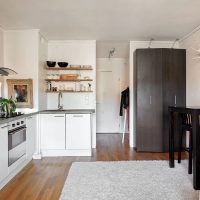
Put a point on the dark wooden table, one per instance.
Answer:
(195, 112)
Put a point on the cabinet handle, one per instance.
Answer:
(77, 115)
(58, 116)
(22, 129)
(5, 126)
(175, 99)
(150, 100)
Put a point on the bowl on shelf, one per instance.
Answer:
(51, 63)
(62, 64)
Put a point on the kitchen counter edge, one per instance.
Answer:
(81, 111)
(7, 120)
(78, 111)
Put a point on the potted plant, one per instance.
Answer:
(8, 106)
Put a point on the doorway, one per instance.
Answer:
(112, 79)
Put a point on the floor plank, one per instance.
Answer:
(44, 179)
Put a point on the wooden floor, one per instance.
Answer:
(44, 179)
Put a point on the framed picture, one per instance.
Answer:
(22, 91)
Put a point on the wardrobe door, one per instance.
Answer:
(149, 100)
(179, 63)
(174, 88)
(169, 74)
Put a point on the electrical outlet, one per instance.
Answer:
(86, 99)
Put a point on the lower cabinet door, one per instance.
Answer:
(31, 134)
(52, 131)
(78, 131)
(4, 151)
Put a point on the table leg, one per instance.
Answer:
(171, 139)
(196, 150)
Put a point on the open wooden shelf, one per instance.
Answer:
(68, 68)
(59, 80)
(68, 91)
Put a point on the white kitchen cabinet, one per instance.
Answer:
(78, 131)
(31, 134)
(52, 127)
(4, 151)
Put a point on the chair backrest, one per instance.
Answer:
(187, 119)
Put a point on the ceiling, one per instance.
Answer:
(103, 19)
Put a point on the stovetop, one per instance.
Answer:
(15, 114)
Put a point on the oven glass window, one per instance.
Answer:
(16, 137)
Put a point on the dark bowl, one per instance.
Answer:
(51, 63)
(62, 64)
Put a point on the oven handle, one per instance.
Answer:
(14, 132)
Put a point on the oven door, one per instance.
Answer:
(16, 144)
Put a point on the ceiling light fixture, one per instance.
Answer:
(111, 53)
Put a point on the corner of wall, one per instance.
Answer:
(1, 60)
(191, 42)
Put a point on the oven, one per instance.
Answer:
(16, 140)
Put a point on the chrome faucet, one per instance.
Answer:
(60, 107)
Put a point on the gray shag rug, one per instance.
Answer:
(128, 180)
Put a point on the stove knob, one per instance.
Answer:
(18, 123)
(13, 125)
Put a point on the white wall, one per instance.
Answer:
(133, 46)
(1, 47)
(75, 52)
(42, 95)
(192, 69)
(1, 59)
(21, 53)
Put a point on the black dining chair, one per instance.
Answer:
(186, 125)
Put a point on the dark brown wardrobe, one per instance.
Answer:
(160, 82)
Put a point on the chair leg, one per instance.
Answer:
(180, 145)
(190, 154)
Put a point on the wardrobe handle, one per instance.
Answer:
(150, 100)
(175, 99)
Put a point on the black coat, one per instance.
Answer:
(124, 100)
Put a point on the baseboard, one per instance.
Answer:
(37, 156)
(57, 153)
(109, 133)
